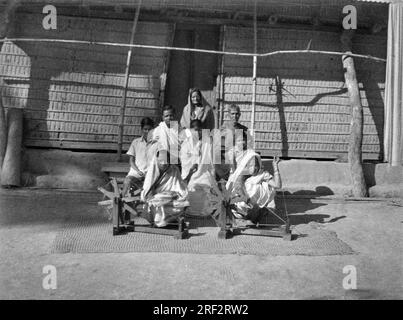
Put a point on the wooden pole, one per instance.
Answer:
(220, 81)
(11, 170)
(356, 128)
(127, 74)
(3, 128)
(5, 17)
(252, 124)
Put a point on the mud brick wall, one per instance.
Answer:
(72, 93)
(308, 115)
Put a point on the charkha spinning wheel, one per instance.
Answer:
(226, 222)
(123, 208)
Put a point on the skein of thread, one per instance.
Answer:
(11, 170)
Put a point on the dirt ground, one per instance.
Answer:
(29, 221)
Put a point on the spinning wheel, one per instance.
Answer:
(124, 207)
(227, 229)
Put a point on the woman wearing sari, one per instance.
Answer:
(164, 191)
(196, 110)
(253, 188)
(204, 195)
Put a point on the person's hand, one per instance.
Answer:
(276, 160)
(140, 173)
(194, 168)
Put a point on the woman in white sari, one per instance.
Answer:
(253, 187)
(196, 149)
(164, 191)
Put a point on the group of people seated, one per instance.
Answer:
(176, 166)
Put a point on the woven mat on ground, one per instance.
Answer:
(95, 236)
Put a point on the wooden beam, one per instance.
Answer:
(130, 209)
(116, 188)
(356, 133)
(105, 203)
(108, 194)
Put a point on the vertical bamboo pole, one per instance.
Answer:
(3, 127)
(219, 82)
(222, 79)
(254, 73)
(127, 73)
(356, 128)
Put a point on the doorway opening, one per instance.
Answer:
(188, 70)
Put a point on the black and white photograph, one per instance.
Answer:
(198, 155)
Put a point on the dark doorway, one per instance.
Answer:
(187, 69)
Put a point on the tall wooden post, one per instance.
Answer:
(5, 16)
(3, 128)
(127, 74)
(253, 111)
(11, 169)
(356, 129)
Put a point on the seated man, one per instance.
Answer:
(252, 189)
(164, 190)
(196, 152)
(138, 157)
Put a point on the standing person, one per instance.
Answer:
(196, 110)
(241, 139)
(165, 135)
(138, 157)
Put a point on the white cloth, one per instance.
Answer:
(165, 193)
(256, 187)
(164, 138)
(204, 195)
(138, 149)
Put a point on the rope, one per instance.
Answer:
(244, 54)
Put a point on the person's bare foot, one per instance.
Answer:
(243, 223)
